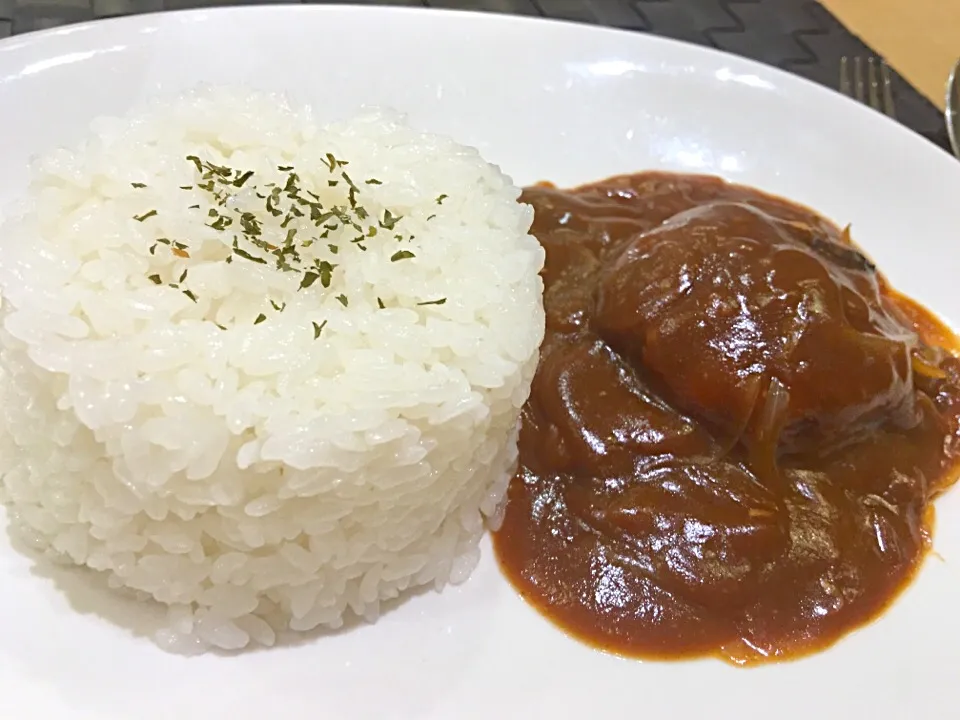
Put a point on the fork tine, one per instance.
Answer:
(873, 80)
(858, 85)
(875, 90)
(845, 76)
(889, 107)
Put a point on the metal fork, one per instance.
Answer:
(876, 90)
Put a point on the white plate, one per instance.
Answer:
(546, 101)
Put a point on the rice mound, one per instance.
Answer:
(263, 457)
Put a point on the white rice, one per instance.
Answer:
(252, 477)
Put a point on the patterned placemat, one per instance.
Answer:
(797, 35)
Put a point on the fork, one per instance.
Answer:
(876, 91)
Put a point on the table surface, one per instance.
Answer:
(919, 37)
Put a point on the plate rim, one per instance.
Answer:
(784, 79)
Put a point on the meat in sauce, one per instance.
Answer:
(736, 428)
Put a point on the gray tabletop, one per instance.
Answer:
(797, 35)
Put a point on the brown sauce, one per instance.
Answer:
(736, 429)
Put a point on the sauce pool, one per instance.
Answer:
(736, 430)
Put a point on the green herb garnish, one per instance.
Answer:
(221, 223)
(326, 272)
(247, 256)
(389, 220)
(296, 210)
(241, 179)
